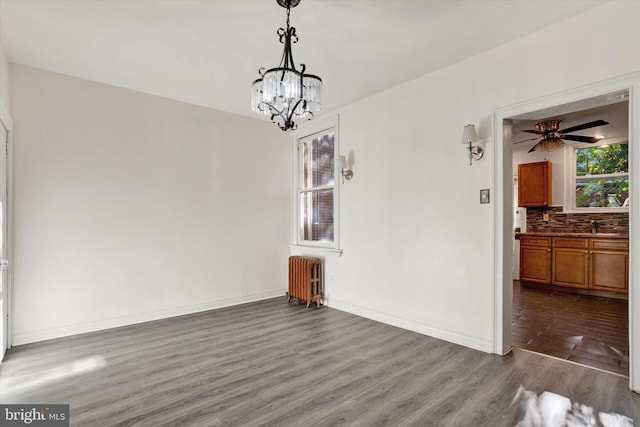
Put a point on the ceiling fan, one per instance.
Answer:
(552, 136)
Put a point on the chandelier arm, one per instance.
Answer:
(281, 126)
(265, 106)
(287, 54)
(293, 109)
(284, 37)
(286, 122)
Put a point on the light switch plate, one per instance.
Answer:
(484, 196)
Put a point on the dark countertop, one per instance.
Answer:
(567, 234)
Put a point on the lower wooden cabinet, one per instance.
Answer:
(535, 259)
(609, 265)
(535, 265)
(586, 263)
(570, 261)
(570, 267)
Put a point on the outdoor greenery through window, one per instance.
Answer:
(602, 176)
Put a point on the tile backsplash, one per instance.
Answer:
(613, 222)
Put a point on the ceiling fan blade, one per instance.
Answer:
(533, 148)
(525, 140)
(579, 138)
(537, 132)
(584, 126)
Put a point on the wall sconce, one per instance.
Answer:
(345, 171)
(469, 136)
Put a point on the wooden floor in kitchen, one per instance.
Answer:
(589, 330)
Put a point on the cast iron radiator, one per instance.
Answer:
(304, 279)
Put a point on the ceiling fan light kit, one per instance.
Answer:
(553, 137)
(284, 93)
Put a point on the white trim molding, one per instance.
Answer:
(305, 131)
(115, 322)
(7, 121)
(445, 334)
(313, 250)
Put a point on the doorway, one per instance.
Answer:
(575, 321)
(503, 292)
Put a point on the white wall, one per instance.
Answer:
(4, 78)
(131, 207)
(418, 249)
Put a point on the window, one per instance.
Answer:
(315, 189)
(601, 176)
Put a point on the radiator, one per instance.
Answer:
(304, 279)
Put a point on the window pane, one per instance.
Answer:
(316, 208)
(602, 193)
(605, 159)
(317, 160)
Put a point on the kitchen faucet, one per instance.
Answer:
(594, 226)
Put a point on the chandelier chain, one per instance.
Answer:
(288, 13)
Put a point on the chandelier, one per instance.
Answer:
(285, 93)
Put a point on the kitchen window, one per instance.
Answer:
(601, 176)
(316, 186)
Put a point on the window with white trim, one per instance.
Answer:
(315, 188)
(601, 176)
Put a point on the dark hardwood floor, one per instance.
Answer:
(280, 364)
(585, 329)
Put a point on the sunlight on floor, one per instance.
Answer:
(553, 410)
(11, 386)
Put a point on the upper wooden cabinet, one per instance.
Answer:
(534, 184)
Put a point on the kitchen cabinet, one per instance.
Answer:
(535, 259)
(591, 263)
(570, 262)
(534, 184)
(610, 265)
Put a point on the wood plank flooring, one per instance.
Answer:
(280, 364)
(585, 329)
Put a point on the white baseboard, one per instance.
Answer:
(393, 320)
(20, 338)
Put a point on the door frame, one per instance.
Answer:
(503, 216)
(7, 121)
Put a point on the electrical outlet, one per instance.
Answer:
(545, 217)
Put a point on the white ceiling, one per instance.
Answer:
(207, 52)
